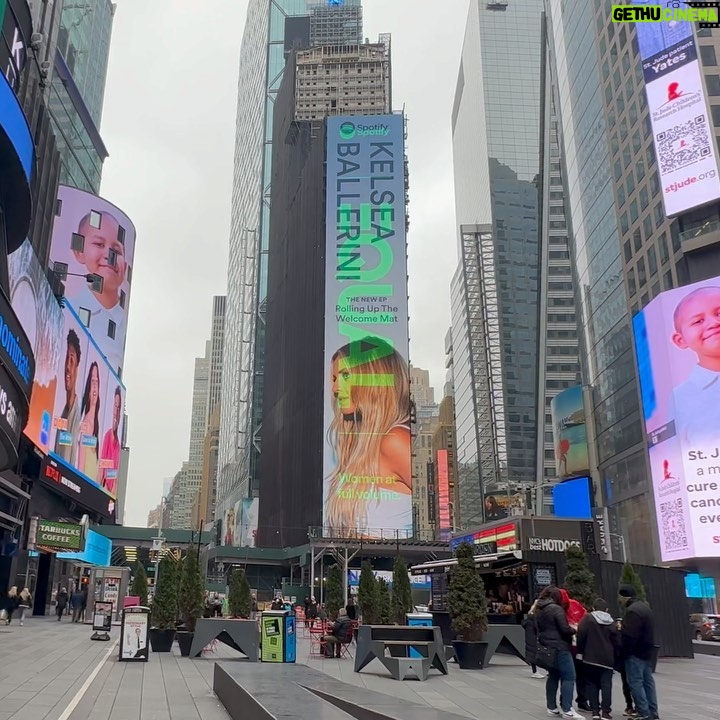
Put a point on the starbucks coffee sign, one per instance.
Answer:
(59, 536)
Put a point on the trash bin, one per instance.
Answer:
(277, 636)
(418, 620)
(134, 628)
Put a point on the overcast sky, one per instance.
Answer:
(168, 123)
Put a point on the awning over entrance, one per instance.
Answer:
(441, 566)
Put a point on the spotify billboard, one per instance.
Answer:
(367, 489)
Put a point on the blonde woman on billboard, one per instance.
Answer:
(90, 425)
(371, 486)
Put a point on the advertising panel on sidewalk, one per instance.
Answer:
(677, 344)
(367, 489)
(134, 630)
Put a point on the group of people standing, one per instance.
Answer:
(75, 603)
(13, 602)
(581, 650)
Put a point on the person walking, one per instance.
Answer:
(76, 604)
(597, 647)
(61, 602)
(531, 643)
(24, 603)
(638, 644)
(554, 637)
(311, 613)
(12, 601)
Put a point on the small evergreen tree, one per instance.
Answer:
(165, 600)
(630, 577)
(334, 595)
(579, 579)
(240, 595)
(191, 590)
(401, 592)
(384, 604)
(368, 595)
(140, 584)
(466, 597)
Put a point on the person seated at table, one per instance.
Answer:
(341, 630)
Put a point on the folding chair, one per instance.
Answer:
(345, 644)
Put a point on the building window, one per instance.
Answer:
(112, 258)
(624, 223)
(707, 55)
(642, 275)
(122, 299)
(662, 246)
(713, 84)
(715, 109)
(628, 251)
(647, 226)
(58, 207)
(111, 329)
(659, 215)
(637, 240)
(632, 288)
(667, 280)
(634, 213)
(644, 199)
(652, 260)
(95, 219)
(77, 242)
(84, 315)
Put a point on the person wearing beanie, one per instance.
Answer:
(638, 643)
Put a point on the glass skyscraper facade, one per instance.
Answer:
(501, 289)
(267, 38)
(625, 251)
(77, 90)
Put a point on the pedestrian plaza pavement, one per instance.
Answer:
(45, 664)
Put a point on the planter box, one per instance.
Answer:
(161, 640)
(185, 639)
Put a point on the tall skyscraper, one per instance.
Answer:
(298, 357)
(625, 249)
(272, 29)
(500, 295)
(77, 90)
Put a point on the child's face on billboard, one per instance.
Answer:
(95, 255)
(697, 323)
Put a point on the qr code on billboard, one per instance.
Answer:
(683, 144)
(673, 525)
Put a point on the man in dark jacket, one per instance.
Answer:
(638, 643)
(341, 633)
(597, 641)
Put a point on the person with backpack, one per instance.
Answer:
(597, 647)
(531, 644)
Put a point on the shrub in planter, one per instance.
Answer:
(239, 595)
(468, 609)
(164, 609)
(368, 595)
(139, 586)
(334, 592)
(190, 599)
(384, 604)
(401, 592)
(579, 579)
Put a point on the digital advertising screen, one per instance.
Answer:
(249, 522)
(93, 237)
(40, 315)
(683, 134)
(367, 489)
(443, 481)
(87, 412)
(567, 410)
(677, 345)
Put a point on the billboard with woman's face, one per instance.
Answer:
(367, 488)
(93, 237)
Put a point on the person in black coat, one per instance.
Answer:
(531, 644)
(555, 634)
(638, 644)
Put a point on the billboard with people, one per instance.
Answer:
(570, 437)
(91, 237)
(677, 344)
(367, 489)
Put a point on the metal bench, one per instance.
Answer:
(373, 640)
